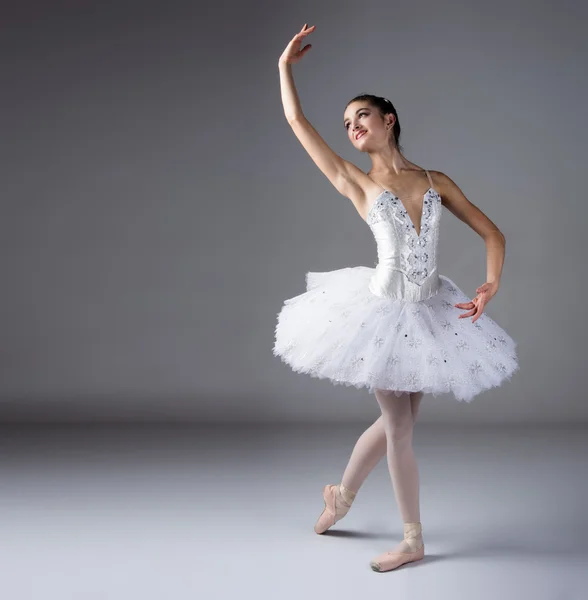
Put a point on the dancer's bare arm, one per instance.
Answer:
(457, 203)
(349, 180)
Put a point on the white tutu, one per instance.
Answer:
(340, 330)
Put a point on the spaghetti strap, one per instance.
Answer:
(385, 190)
(430, 180)
(382, 188)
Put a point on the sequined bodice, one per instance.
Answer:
(407, 262)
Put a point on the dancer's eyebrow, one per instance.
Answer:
(362, 108)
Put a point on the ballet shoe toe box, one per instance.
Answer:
(389, 561)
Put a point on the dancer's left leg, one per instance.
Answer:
(398, 426)
(397, 413)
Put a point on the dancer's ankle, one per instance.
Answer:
(413, 535)
(347, 495)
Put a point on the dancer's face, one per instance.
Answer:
(364, 119)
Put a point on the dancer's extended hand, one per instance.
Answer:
(292, 54)
(476, 306)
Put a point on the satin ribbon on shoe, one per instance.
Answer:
(336, 506)
(392, 560)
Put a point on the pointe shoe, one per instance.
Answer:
(335, 506)
(392, 560)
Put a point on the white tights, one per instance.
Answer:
(390, 435)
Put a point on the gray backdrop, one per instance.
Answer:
(157, 209)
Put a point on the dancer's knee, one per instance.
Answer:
(399, 432)
(396, 416)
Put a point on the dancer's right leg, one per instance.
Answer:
(369, 449)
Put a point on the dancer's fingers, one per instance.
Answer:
(481, 307)
(464, 305)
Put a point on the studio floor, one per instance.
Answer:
(208, 512)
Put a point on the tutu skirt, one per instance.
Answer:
(337, 329)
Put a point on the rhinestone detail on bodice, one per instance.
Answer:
(399, 246)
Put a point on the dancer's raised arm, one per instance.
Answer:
(349, 180)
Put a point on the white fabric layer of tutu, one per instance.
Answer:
(339, 330)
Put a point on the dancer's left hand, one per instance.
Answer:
(476, 306)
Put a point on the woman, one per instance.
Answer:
(394, 329)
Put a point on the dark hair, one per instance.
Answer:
(385, 107)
